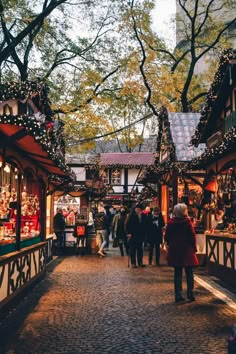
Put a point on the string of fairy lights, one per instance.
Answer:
(225, 59)
(19, 91)
(212, 154)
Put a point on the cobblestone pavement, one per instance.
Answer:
(91, 305)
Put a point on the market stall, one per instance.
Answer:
(217, 127)
(29, 154)
(176, 181)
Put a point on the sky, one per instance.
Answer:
(162, 16)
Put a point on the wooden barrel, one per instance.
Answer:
(92, 244)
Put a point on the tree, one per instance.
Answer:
(84, 73)
(202, 33)
(31, 28)
(40, 43)
(118, 73)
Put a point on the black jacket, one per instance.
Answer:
(154, 228)
(119, 226)
(136, 227)
(59, 223)
(101, 221)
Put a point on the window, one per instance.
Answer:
(104, 174)
(115, 177)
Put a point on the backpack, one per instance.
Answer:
(80, 230)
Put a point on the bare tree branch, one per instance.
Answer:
(6, 52)
(141, 66)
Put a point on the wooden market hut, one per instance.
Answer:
(217, 128)
(176, 182)
(31, 160)
(171, 174)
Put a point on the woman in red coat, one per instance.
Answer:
(181, 240)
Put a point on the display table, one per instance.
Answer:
(221, 256)
(201, 248)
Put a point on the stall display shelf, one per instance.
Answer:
(11, 246)
(217, 233)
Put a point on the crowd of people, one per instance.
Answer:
(138, 229)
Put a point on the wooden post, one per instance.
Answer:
(18, 211)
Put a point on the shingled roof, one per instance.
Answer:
(182, 127)
(134, 159)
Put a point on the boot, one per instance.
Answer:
(190, 296)
(179, 299)
(178, 284)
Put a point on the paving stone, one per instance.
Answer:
(92, 305)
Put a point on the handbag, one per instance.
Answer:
(115, 242)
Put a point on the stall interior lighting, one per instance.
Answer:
(7, 169)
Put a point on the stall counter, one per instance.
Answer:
(221, 255)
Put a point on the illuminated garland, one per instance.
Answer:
(164, 128)
(56, 179)
(152, 173)
(147, 193)
(210, 155)
(227, 55)
(99, 166)
(20, 90)
(38, 132)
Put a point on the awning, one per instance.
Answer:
(22, 140)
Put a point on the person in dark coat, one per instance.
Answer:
(59, 225)
(181, 240)
(119, 230)
(136, 232)
(155, 223)
(109, 223)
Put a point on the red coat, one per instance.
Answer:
(181, 239)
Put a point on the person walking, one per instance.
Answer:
(101, 227)
(181, 241)
(109, 223)
(155, 223)
(59, 226)
(135, 229)
(120, 232)
(116, 214)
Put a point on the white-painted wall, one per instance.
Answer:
(80, 173)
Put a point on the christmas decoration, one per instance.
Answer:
(46, 132)
(226, 58)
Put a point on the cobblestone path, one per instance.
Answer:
(96, 306)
